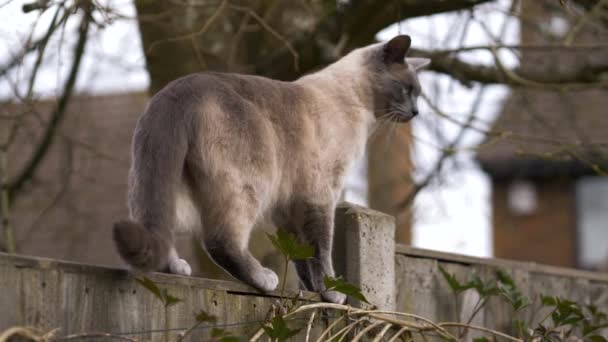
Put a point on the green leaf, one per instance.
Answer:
(566, 313)
(217, 332)
(485, 289)
(278, 329)
(203, 317)
(548, 300)
(521, 327)
(505, 278)
(170, 299)
(342, 286)
(481, 339)
(162, 294)
(588, 328)
(222, 336)
(287, 244)
(509, 291)
(596, 338)
(452, 281)
(151, 286)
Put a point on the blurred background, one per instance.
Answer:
(508, 158)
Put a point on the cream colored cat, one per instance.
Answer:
(229, 150)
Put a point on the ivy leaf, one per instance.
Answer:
(203, 317)
(151, 286)
(278, 329)
(288, 245)
(344, 287)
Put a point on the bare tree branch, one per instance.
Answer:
(466, 73)
(40, 151)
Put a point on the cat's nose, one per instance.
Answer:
(415, 112)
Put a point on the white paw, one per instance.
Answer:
(267, 280)
(180, 266)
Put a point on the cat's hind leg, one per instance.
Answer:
(228, 248)
(227, 224)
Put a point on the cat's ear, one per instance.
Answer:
(418, 63)
(394, 51)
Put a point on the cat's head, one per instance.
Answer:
(396, 86)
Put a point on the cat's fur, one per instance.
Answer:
(229, 150)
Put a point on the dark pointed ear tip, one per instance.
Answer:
(403, 38)
(396, 48)
(403, 41)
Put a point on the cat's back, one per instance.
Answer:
(231, 89)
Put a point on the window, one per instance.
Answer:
(592, 221)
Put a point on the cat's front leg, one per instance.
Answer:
(315, 226)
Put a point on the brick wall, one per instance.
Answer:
(547, 235)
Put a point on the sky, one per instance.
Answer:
(453, 215)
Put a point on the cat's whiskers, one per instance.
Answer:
(381, 122)
(390, 134)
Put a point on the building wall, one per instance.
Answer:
(67, 210)
(546, 235)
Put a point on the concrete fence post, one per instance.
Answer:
(364, 253)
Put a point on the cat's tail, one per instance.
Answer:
(140, 247)
(159, 147)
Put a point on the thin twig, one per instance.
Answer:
(262, 22)
(382, 332)
(365, 331)
(309, 326)
(327, 331)
(342, 333)
(192, 35)
(399, 333)
(58, 114)
(520, 47)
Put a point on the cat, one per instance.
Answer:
(228, 150)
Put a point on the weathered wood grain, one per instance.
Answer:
(421, 289)
(76, 298)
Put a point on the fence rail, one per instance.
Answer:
(421, 288)
(77, 298)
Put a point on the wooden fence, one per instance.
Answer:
(76, 298)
